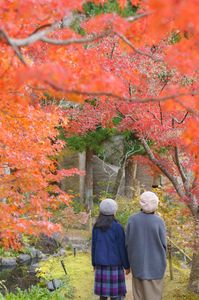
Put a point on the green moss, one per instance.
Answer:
(39, 293)
(176, 289)
(79, 273)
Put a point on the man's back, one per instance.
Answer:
(146, 245)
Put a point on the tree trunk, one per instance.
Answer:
(89, 180)
(131, 183)
(194, 276)
(118, 179)
(82, 167)
(128, 189)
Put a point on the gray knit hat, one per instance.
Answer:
(108, 207)
(149, 202)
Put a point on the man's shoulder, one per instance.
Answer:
(134, 217)
(158, 219)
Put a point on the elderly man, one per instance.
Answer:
(146, 247)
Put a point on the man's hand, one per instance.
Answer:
(127, 271)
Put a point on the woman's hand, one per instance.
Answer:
(127, 271)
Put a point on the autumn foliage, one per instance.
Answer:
(144, 63)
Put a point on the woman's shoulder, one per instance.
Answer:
(117, 224)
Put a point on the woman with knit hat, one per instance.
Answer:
(146, 247)
(109, 256)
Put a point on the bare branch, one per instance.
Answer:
(180, 122)
(179, 165)
(122, 37)
(74, 40)
(14, 47)
(155, 117)
(164, 170)
(132, 100)
(112, 51)
(137, 17)
(38, 35)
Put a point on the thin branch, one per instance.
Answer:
(159, 103)
(161, 113)
(14, 47)
(39, 34)
(155, 117)
(74, 40)
(41, 27)
(112, 51)
(179, 165)
(164, 170)
(132, 100)
(180, 122)
(137, 17)
(122, 37)
(35, 37)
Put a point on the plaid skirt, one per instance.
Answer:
(109, 281)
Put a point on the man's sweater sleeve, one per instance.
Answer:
(121, 246)
(163, 235)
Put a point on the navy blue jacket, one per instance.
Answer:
(108, 247)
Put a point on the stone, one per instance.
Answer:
(61, 240)
(8, 262)
(23, 258)
(40, 255)
(47, 244)
(33, 268)
(33, 252)
(36, 253)
(61, 252)
(54, 284)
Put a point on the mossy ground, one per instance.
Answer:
(80, 274)
(176, 289)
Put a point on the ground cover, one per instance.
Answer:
(78, 283)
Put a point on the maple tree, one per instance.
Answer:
(159, 128)
(41, 51)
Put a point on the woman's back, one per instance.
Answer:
(108, 246)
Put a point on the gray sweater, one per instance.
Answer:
(146, 245)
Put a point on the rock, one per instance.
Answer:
(80, 244)
(40, 255)
(8, 262)
(33, 268)
(61, 252)
(23, 258)
(46, 244)
(60, 239)
(57, 237)
(33, 252)
(54, 284)
(36, 253)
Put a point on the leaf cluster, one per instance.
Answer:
(92, 140)
(38, 293)
(110, 6)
